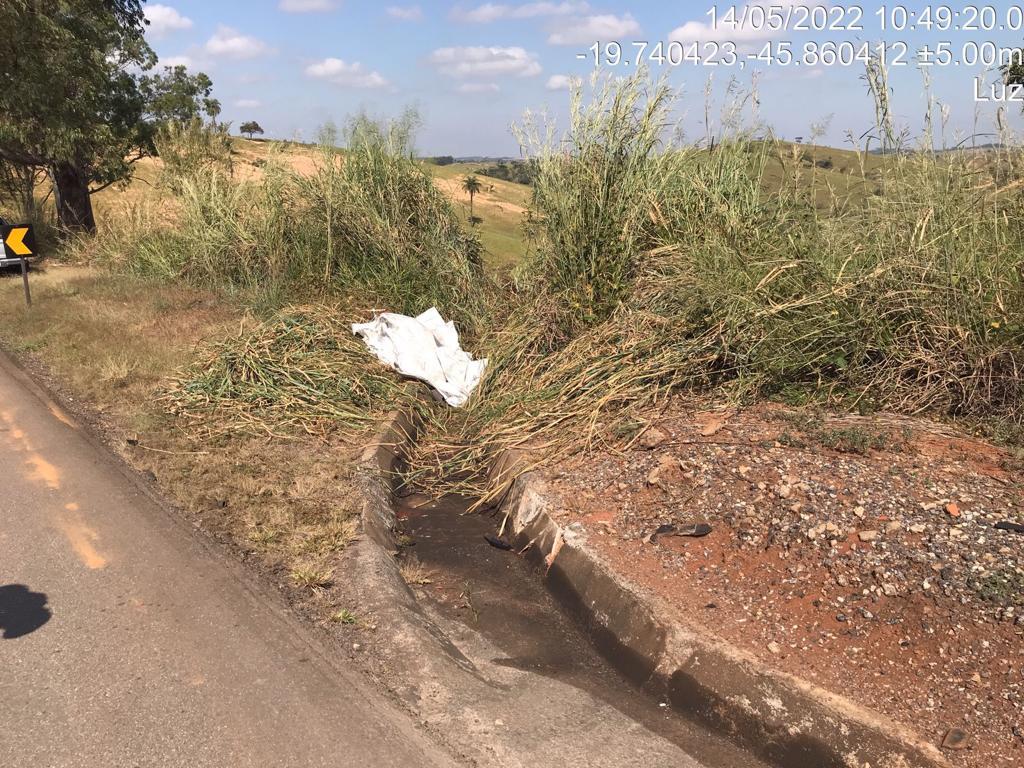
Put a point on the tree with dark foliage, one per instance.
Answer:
(74, 98)
(250, 128)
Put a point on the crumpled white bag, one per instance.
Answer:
(426, 348)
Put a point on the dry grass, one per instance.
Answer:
(312, 576)
(110, 338)
(415, 572)
(114, 343)
(671, 269)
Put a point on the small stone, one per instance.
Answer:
(859, 511)
(783, 490)
(774, 647)
(955, 738)
(952, 509)
(652, 438)
(867, 535)
(666, 463)
(356, 646)
(918, 528)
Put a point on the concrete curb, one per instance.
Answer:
(416, 650)
(784, 719)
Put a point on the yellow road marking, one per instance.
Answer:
(81, 538)
(71, 523)
(43, 471)
(62, 417)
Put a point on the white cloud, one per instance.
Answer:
(307, 6)
(482, 61)
(478, 88)
(561, 82)
(175, 61)
(589, 29)
(163, 19)
(748, 32)
(248, 103)
(351, 75)
(232, 44)
(488, 12)
(405, 13)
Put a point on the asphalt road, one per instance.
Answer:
(124, 641)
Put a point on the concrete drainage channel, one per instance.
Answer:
(513, 662)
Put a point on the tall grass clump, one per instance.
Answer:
(378, 221)
(596, 194)
(366, 219)
(909, 299)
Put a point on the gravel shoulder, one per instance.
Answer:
(876, 557)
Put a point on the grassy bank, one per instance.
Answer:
(662, 268)
(114, 344)
(756, 269)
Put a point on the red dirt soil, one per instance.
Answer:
(860, 554)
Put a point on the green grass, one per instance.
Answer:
(660, 268)
(1003, 586)
(761, 269)
(499, 211)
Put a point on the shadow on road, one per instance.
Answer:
(21, 610)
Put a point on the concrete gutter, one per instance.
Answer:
(783, 719)
(780, 718)
(415, 649)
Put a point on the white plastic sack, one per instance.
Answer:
(426, 348)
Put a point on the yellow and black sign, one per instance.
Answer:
(18, 240)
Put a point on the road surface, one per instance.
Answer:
(124, 641)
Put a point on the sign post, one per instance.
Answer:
(19, 240)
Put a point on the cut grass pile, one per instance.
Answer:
(300, 369)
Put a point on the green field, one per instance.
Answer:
(499, 206)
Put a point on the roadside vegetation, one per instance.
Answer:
(371, 221)
(661, 267)
(746, 267)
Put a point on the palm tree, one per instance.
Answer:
(471, 185)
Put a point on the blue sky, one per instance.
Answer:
(472, 68)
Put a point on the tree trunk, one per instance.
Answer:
(74, 207)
